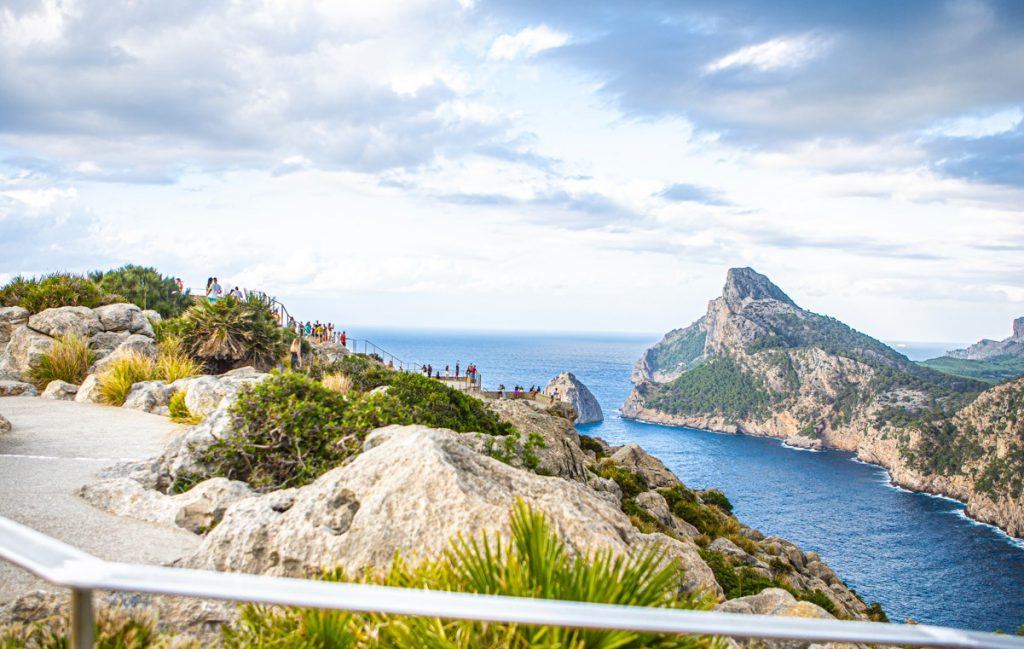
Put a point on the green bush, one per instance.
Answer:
(144, 287)
(588, 443)
(717, 498)
(719, 386)
(230, 333)
(68, 359)
(52, 291)
(173, 363)
(632, 484)
(534, 563)
(115, 628)
(179, 412)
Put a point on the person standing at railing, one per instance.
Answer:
(296, 353)
(457, 370)
(215, 290)
(344, 339)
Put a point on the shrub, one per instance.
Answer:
(717, 498)
(115, 382)
(708, 520)
(68, 359)
(146, 288)
(340, 383)
(534, 563)
(588, 443)
(51, 291)
(632, 484)
(179, 412)
(115, 628)
(230, 332)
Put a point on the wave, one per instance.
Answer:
(1003, 536)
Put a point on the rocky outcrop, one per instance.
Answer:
(636, 459)
(772, 369)
(5, 425)
(568, 389)
(89, 391)
(60, 391)
(984, 349)
(561, 454)
(206, 393)
(150, 396)
(17, 389)
(111, 330)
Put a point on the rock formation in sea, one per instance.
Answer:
(568, 389)
(757, 363)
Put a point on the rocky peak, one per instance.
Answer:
(1018, 329)
(745, 284)
(567, 388)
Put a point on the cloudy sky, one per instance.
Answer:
(572, 165)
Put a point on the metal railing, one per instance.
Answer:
(83, 574)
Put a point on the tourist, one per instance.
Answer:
(391, 364)
(430, 370)
(180, 284)
(296, 353)
(215, 290)
(236, 293)
(330, 332)
(344, 339)
(447, 372)
(209, 283)
(501, 390)
(456, 370)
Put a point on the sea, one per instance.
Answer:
(917, 555)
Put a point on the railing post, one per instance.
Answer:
(82, 619)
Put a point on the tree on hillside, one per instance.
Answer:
(144, 287)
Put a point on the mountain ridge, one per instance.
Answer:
(757, 363)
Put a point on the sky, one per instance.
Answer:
(585, 166)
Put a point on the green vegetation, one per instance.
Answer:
(68, 359)
(792, 329)
(116, 381)
(230, 333)
(114, 629)
(290, 429)
(144, 287)
(709, 519)
(743, 581)
(55, 290)
(172, 363)
(990, 370)
(179, 412)
(716, 498)
(588, 443)
(510, 452)
(534, 563)
(680, 350)
(719, 386)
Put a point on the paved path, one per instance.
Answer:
(55, 447)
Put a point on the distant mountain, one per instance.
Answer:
(992, 361)
(757, 363)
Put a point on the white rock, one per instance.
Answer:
(149, 396)
(152, 316)
(5, 425)
(123, 317)
(206, 393)
(89, 391)
(133, 344)
(105, 342)
(60, 391)
(17, 389)
(634, 458)
(77, 320)
(10, 317)
(25, 348)
(568, 389)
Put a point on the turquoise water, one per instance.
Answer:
(917, 555)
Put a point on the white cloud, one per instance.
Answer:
(526, 43)
(974, 126)
(778, 53)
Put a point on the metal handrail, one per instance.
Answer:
(66, 566)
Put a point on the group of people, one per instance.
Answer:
(324, 332)
(470, 375)
(214, 291)
(519, 391)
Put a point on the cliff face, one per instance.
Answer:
(568, 389)
(983, 349)
(770, 368)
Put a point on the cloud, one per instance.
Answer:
(782, 52)
(693, 193)
(526, 43)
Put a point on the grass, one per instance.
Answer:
(337, 382)
(179, 412)
(173, 363)
(68, 359)
(115, 382)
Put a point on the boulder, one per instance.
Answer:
(11, 317)
(181, 458)
(410, 491)
(77, 320)
(123, 317)
(5, 425)
(25, 348)
(636, 459)
(568, 389)
(17, 389)
(724, 546)
(197, 510)
(60, 391)
(696, 573)
(204, 394)
(655, 504)
(149, 396)
(133, 344)
(105, 342)
(152, 316)
(561, 454)
(89, 391)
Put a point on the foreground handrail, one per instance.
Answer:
(66, 566)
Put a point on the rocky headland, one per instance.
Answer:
(758, 364)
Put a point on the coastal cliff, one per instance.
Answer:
(758, 364)
(568, 389)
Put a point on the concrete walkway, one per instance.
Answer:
(54, 448)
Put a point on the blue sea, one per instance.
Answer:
(917, 555)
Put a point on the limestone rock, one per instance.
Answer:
(655, 504)
(89, 391)
(133, 344)
(804, 442)
(568, 389)
(17, 389)
(105, 342)
(724, 546)
(197, 510)
(561, 455)
(152, 316)
(634, 458)
(123, 317)
(411, 490)
(78, 320)
(181, 458)
(11, 317)
(60, 391)
(25, 348)
(5, 425)
(696, 573)
(149, 396)
(204, 394)
(1012, 346)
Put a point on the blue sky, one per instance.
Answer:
(574, 165)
